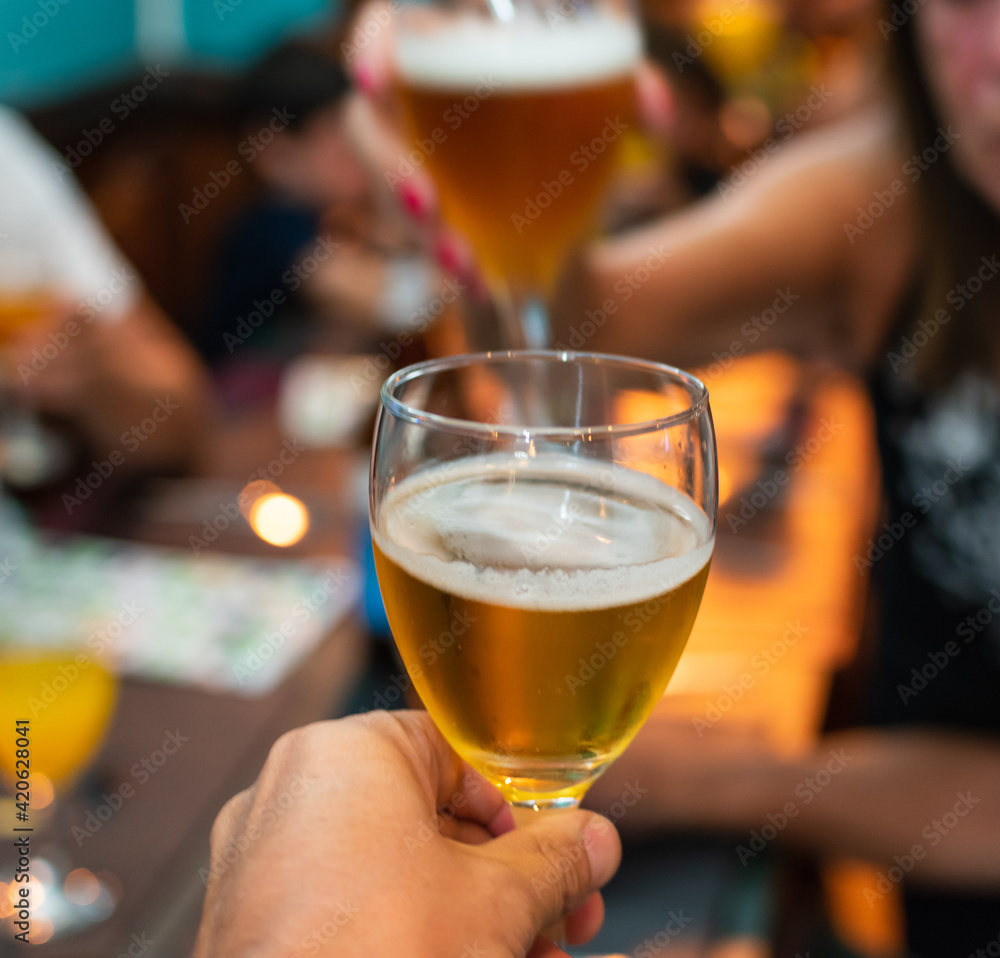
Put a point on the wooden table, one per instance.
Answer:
(156, 843)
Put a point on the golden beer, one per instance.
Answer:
(20, 309)
(68, 700)
(540, 607)
(520, 130)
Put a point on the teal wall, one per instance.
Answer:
(54, 49)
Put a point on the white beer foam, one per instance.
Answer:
(453, 530)
(519, 55)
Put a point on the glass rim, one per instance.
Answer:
(410, 413)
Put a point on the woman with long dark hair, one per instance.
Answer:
(885, 232)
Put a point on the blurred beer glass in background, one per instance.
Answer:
(28, 295)
(58, 697)
(518, 110)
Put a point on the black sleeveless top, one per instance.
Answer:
(935, 567)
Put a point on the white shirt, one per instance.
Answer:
(50, 236)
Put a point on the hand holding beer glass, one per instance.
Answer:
(517, 109)
(542, 556)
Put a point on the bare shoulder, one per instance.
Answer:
(844, 191)
(836, 164)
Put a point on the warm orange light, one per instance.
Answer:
(81, 887)
(42, 792)
(41, 930)
(253, 491)
(279, 519)
(725, 485)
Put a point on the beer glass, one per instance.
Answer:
(28, 295)
(56, 703)
(517, 109)
(543, 524)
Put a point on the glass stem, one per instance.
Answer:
(524, 315)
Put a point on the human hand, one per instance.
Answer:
(369, 836)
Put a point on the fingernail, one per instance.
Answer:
(448, 256)
(604, 849)
(502, 822)
(413, 202)
(363, 78)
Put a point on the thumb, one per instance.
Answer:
(557, 862)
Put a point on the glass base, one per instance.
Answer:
(63, 900)
(555, 783)
(546, 804)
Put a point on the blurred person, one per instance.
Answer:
(315, 246)
(380, 841)
(83, 345)
(884, 231)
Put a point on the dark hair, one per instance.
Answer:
(298, 77)
(957, 228)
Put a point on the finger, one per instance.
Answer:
(468, 833)
(586, 921)
(543, 948)
(556, 863)
(229, 824)
(448, 782)
(371, 63)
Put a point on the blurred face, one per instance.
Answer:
(959, 42)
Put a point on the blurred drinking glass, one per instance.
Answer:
(56, 704)
(517, 108)
(27, 296)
